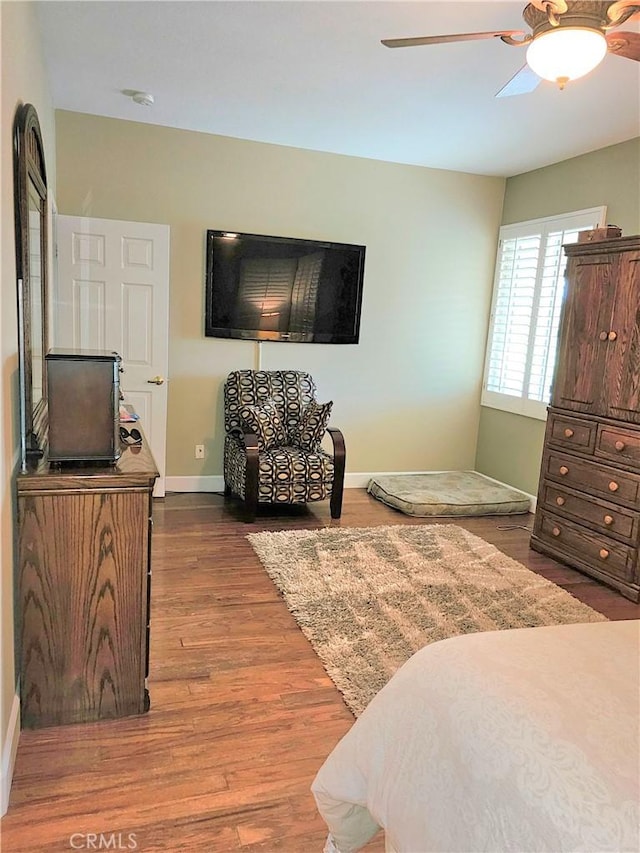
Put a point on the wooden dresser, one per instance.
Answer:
(84, 539)
(588, 512)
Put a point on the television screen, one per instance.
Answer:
(282, 289)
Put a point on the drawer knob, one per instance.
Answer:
(560, 501)
(620, 445)
(608, 519)
(604, 553)
(556, 531)
(603, 336)
(612, 336)
(568, 432)
(613, 486)
(564, 470)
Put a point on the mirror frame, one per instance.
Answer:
(30, 181)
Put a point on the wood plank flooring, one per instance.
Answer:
(242, 712)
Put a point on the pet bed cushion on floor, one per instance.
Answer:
(447, 493)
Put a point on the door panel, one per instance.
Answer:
(586, 318)
(142, 403)
(137, 309)
(87, 314)
(622, 367)
(112, 292)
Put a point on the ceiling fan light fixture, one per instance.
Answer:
(566, 53)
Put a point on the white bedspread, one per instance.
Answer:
(523, 740)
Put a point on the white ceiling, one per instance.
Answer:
(313, 74)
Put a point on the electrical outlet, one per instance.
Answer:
(199, 451)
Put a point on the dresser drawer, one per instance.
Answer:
(601, 552)
(619, 445)
(592, 477)
(606, 518)
(572, 433)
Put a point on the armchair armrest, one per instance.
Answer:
(250, 440)
(338, 440)
(339, 463)
(247, 442)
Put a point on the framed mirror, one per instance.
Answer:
(30, 195)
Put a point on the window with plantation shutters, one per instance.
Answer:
(525, 314)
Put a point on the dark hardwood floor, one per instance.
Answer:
(242, 712)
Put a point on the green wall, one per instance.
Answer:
(510, 446)
(407, 397)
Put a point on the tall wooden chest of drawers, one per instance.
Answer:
(588, 512)
(84, 539)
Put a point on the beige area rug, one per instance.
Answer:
(368, 598)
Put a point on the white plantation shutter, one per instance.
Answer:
(513, 310)
(525, 315)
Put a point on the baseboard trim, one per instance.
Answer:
(215, 482)
(9, 750)
(209, 483)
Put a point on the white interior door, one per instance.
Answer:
(111, 292)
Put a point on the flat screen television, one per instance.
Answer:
(282, 289)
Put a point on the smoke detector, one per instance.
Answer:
(143, 98)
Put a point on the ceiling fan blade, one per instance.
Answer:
(414, 42)
(625, 44)
(523, 81)
(622, 11)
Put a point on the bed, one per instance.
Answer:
(521, 740)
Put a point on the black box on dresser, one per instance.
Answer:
(83, 397)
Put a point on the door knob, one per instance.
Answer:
(157, 380)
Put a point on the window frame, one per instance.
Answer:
(586, 219)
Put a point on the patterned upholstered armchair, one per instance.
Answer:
(272, 451)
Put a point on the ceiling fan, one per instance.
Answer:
(567, 40)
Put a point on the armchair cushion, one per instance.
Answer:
(307, 433)
(285, 474)
(265, 422)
